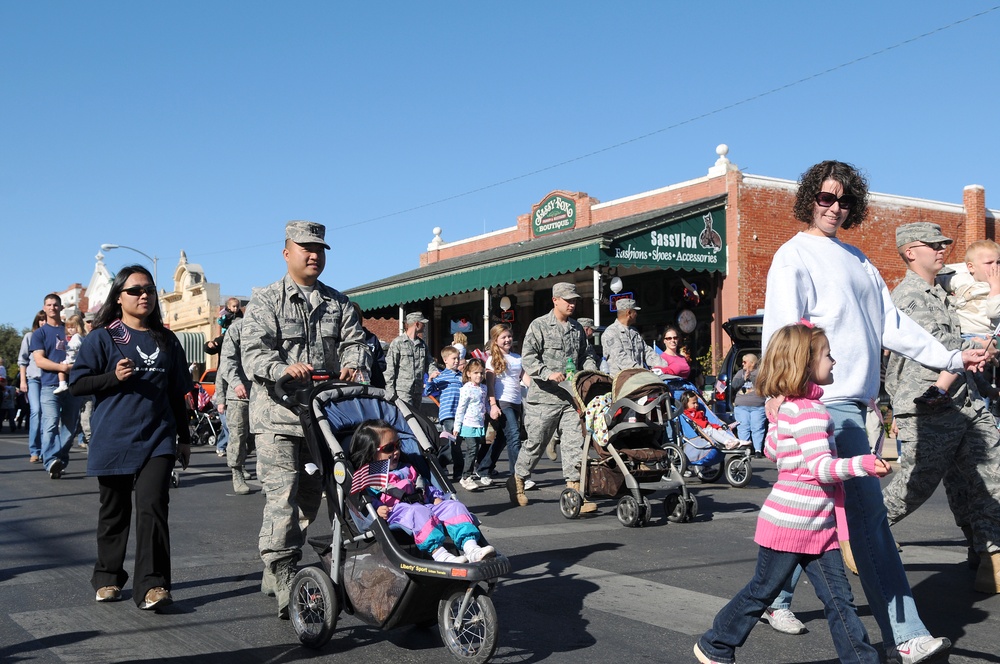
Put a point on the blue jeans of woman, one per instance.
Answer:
(508, 430)
(737, 619)
(35, 416)
(751, 421)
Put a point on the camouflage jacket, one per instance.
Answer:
(625, 349)
(546, 347)
(281, 328)
(929, 307)
(230, 372)
(405, 364)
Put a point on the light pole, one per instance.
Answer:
(109, 247)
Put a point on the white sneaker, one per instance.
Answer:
(784, 621)
(484, 480)
(442, 555)
(469, 484)
(476, 553)
(529, 484)
(919, 649)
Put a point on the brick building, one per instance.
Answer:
(697, 251)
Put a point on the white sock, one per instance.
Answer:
(440, 554)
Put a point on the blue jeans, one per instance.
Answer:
(35, 416)
(751, 425)
(784, 598)
(879, 567)
(60, 418)
(222, 440)
(737, 619)
(508, 429)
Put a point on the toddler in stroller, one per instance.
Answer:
(385, 577)
(425, 512)
(720, 434)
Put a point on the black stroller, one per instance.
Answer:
(624, 424)
(376, 574)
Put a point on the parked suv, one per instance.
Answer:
(745, 333)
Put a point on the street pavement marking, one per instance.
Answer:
(637, 599)
(93, 633)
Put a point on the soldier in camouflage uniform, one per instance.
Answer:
(622, 343)
(550, 341)
(406, 362)
(958, 444)
(294, 326)
(235, 387)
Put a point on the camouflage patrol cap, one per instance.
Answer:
(306, 232)
(415, 317)
(921, 231)
(565, 290)
(585, 322)
(626, 303)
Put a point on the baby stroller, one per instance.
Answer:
(701, 452)
(376, 574)
(203, 418)
(624, 425)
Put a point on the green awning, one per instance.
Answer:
(553, 262)
(193, 344)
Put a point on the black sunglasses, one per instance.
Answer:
(936, 246)
(826, 199)
(136, 291)
(389, 448)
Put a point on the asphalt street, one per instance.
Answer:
(586, 590)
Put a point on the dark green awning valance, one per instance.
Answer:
(193, 344)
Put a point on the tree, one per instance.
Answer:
(10, 346)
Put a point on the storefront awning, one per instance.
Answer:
(193, 344)
(683, 237)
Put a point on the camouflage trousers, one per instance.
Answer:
(542, 421)
(962, 449)
(292, 497)
(240, 438)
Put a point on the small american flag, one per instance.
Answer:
(119, 333)
(374, 474)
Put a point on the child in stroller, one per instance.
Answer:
(425, 512)
(719, 433)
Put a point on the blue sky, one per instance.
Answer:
(204, 126)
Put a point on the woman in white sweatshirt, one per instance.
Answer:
(816, 277)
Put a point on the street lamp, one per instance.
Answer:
(109, 247)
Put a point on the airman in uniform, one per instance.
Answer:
(958, 444)
(550, 341)
(406, 362)
(234, 385)
(622, 343)
(294, 326)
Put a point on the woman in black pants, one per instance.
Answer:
(137, 370)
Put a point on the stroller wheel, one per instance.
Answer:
(628, 511)
(175, 479)
(739, 471)
(210, 440)
(570, 502)
(647, 511)
(313, 607)
(675, 508)
(692, 508)
(676, 458)
(471, 636)
(711, 473)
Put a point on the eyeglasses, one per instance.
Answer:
(389, 448)
(136, 291)
(670, 338)
(826, 199)
(936, 246)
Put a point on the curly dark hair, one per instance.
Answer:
(111, 310)
(849, 177)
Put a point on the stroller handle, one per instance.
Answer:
(281, 390)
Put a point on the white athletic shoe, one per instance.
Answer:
(784, 621)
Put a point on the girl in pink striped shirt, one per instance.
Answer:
(800, 519)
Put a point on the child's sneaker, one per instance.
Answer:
(702, 657)
(483, 480)
(469, 484)
(476, 553)
(62, 388)
(919, 649)
(442, 555)
(933, 398)
(529, 484)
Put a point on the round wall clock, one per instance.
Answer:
(687, 321)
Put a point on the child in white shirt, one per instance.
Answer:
(75, 334)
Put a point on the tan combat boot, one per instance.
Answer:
(988, 574)
(240, 482)
(515, 490)
(587, 507)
